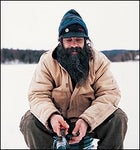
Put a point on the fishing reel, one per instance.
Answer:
(61, 142)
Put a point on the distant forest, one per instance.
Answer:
(32, 56)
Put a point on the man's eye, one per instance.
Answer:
(79, 40)
(68, 40)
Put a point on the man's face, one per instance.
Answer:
(74, 56)
(73, 42)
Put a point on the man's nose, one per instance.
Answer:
(74, 43)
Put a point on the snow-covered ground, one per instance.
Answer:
(15, 81)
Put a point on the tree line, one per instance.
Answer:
(122, 55)
(32, 56)
(21, 56)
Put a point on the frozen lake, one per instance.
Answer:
(15, 81)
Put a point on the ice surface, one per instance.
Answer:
(15, 81)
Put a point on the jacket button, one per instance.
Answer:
(67, 85)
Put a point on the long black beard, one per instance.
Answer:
(76, 65)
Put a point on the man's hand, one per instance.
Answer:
(81, 128)
(58, 123)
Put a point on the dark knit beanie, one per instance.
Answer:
(72, 25)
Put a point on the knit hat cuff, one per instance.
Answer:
(74, 34)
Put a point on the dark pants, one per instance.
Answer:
(111, 132)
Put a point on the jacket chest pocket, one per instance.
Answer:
(84, 101)
(61, 99)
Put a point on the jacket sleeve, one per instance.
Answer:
(107, 93)
(39, 94)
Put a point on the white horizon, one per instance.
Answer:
(34, 24)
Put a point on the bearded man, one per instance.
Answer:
(73, 89)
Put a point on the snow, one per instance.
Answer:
(15, 81)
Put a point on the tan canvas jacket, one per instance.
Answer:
(51, 91)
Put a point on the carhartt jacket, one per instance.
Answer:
(51, 91)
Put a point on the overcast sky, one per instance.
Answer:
(34, 24)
